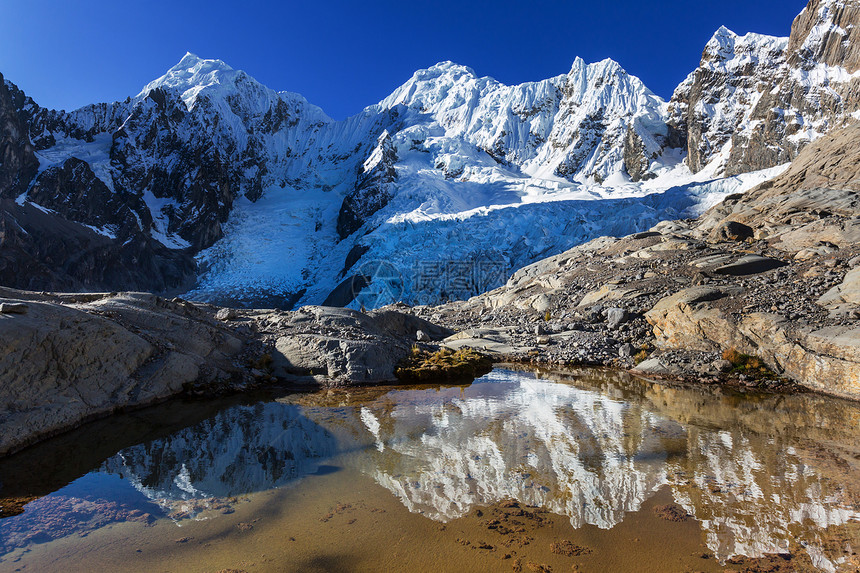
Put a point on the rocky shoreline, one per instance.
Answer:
(773, 274)
(771, 278)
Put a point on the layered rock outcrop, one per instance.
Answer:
(69, 358)
(65, 359)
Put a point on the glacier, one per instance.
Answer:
(481, 172)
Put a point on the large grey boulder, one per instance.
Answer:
(63, 364)
(750, 265)
(337, 346)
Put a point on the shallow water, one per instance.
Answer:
(588, 471)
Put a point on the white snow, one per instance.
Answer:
(484, 170)
(159, 221)
(477, 177)
(96, 153)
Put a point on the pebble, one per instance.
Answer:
(625, 350)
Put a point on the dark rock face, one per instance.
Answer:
(151, 155)
(769, 92)
(18, 163)
(83, 235)
(636, 160)
(42, 251)
(346, 291)
(731, 70)
(74, 192)
(591, 132)
(371, 192)
(352, 257)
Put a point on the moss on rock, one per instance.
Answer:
(444, 365)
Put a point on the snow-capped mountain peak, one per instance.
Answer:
(756, 100)
(726, 48)
(206, 160)
(191, 76)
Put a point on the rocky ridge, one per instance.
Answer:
(756, 101)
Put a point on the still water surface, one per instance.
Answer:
(587, 471)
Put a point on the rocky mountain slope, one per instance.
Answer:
(772, 274)
(755, 101)
(209, 180)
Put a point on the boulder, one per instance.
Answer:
(750, 265)
(13, 308)
(338, 346)
(337, 361)
(406, 325)
(605, 293)
(226, 314)
(655, 365)
(827, 359)
(732, 231)
(846, 292)
(63, 364)
(681, 320)
(615, 317)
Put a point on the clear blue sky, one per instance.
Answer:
(345, 55)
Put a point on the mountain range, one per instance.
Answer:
(210, 184)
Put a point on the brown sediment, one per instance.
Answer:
(671, 512)
(10, 506)
(391, 538)
(568, 549)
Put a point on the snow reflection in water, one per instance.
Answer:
(758, 472)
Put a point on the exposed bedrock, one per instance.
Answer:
(68, 358)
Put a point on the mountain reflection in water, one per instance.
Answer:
(758, 472)
(238, 451)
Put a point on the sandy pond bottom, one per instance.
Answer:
(583, 471)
